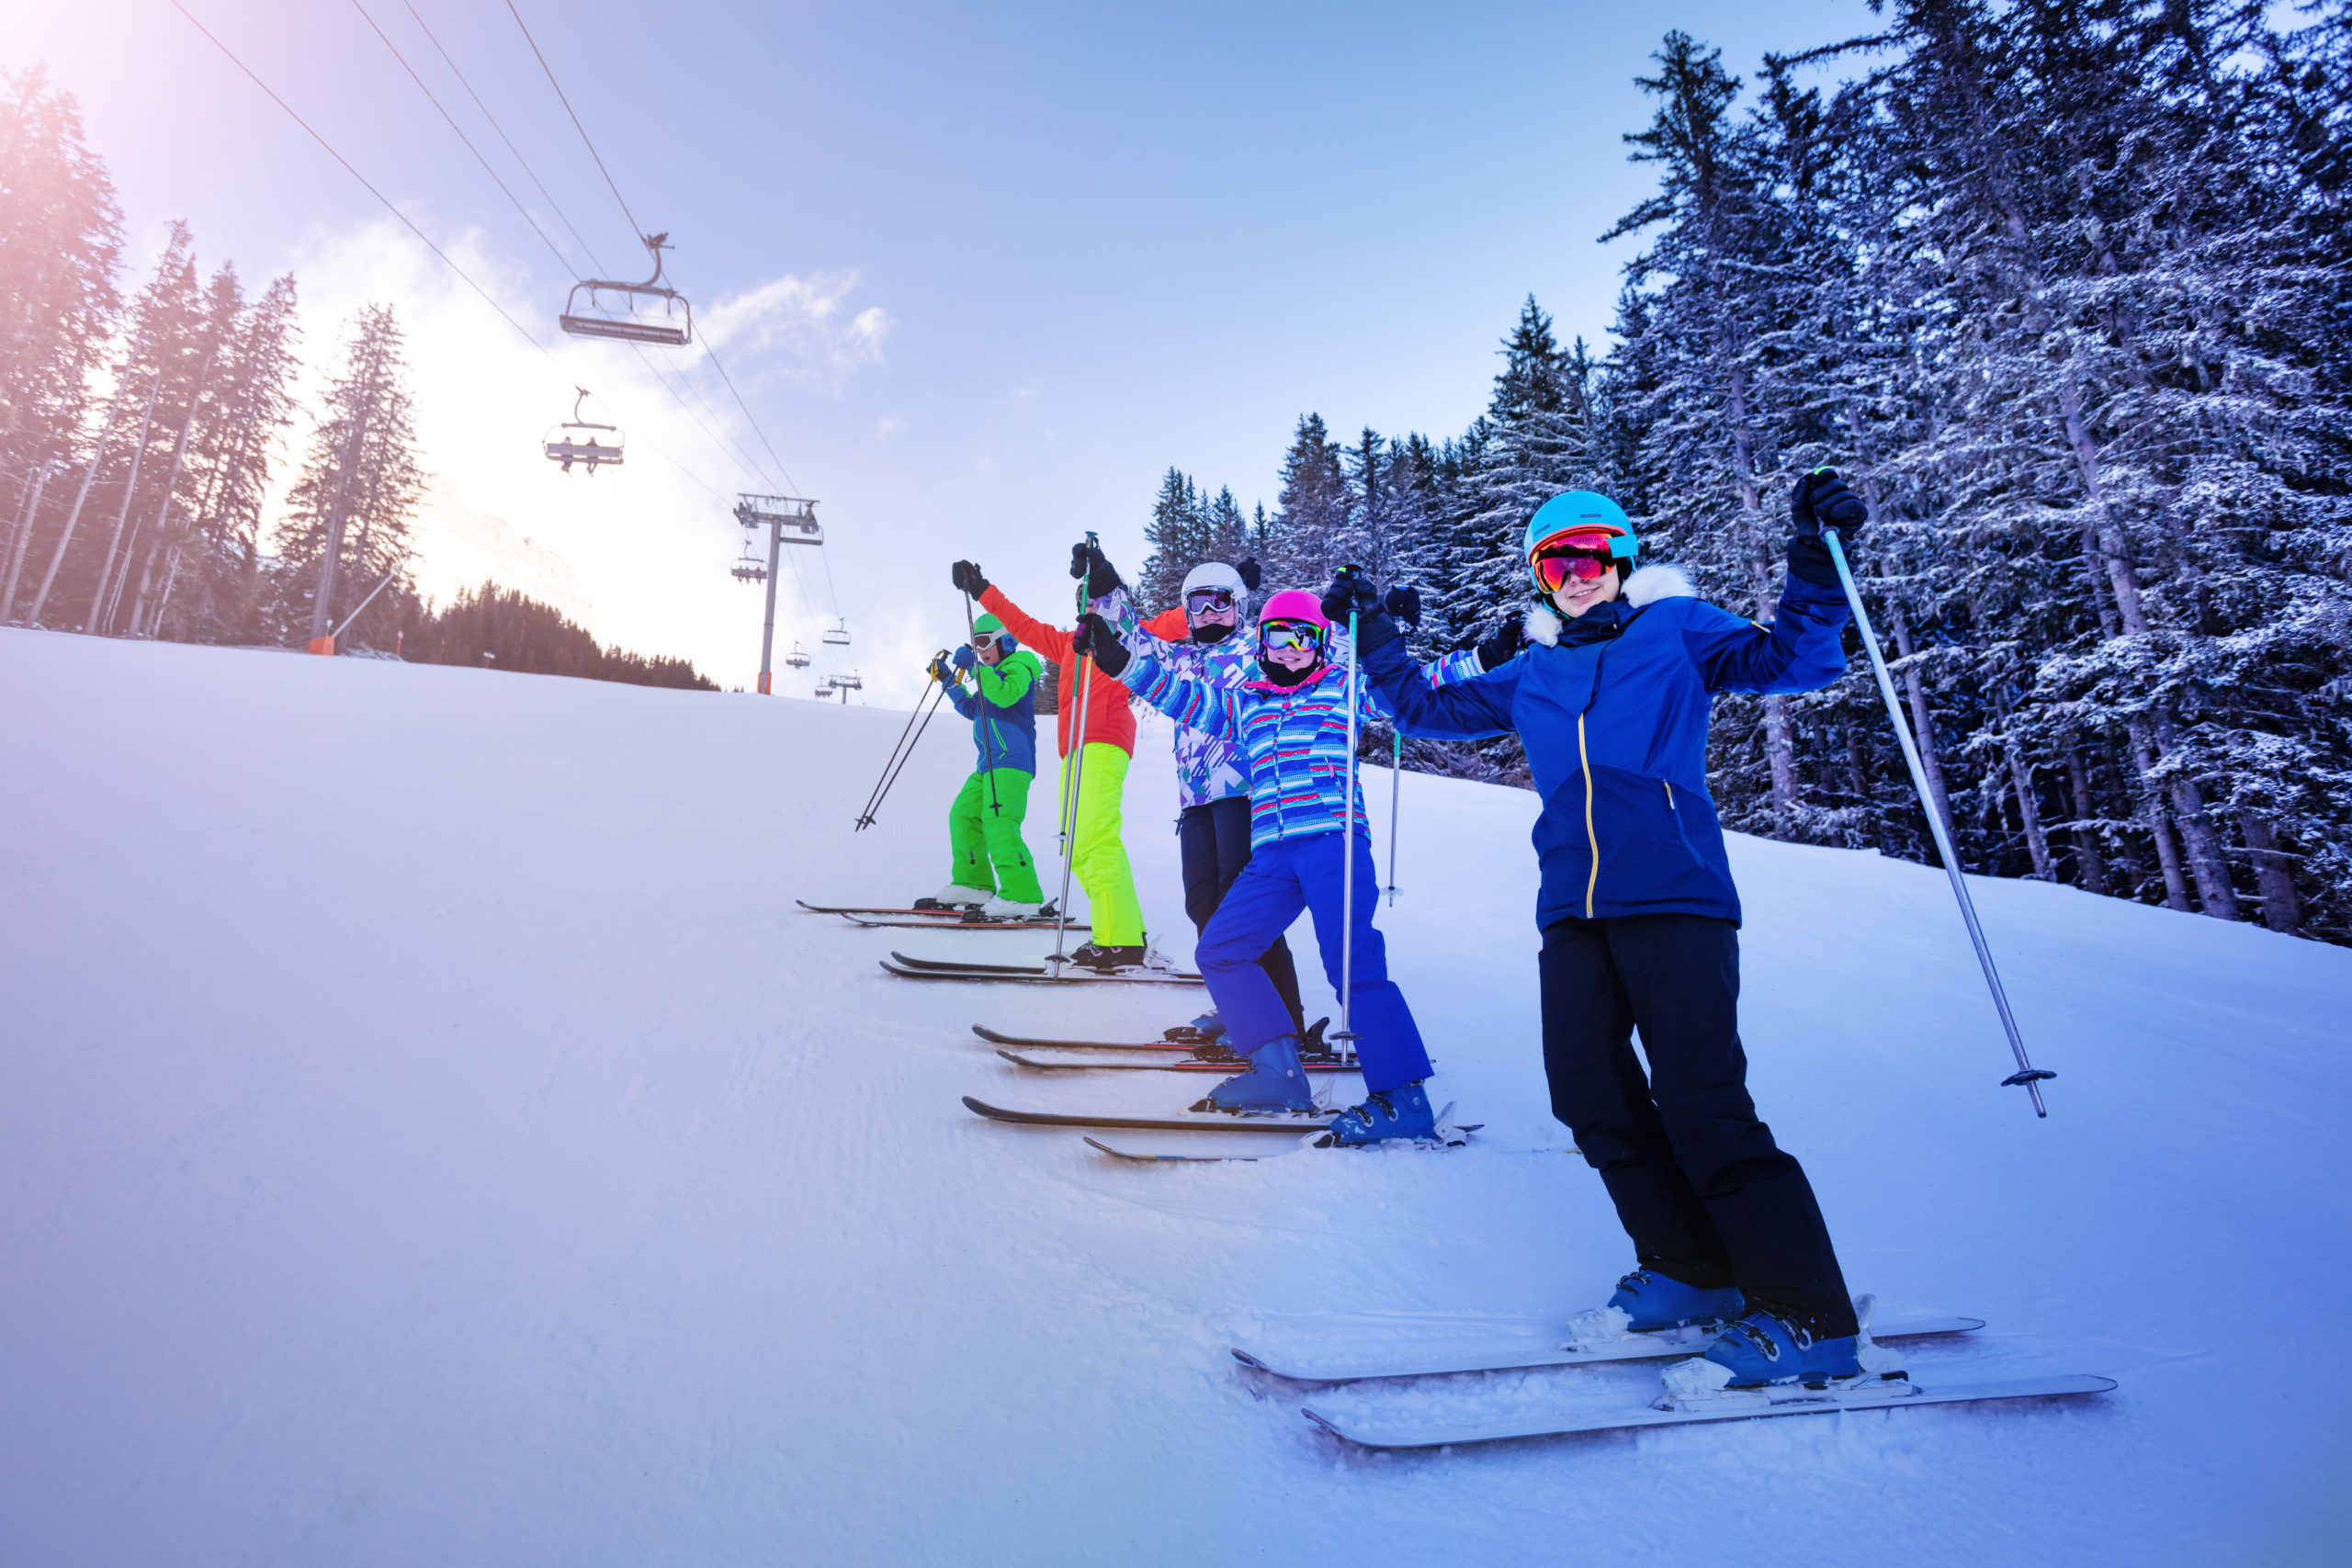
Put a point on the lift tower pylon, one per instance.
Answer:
(788, 520)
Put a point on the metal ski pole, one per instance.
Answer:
(1395, 776)
(901, 752)
(2028, 1076)
(1347, 869)
(1069, 820)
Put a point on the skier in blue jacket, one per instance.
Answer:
(1640, 918)
(1289, 719)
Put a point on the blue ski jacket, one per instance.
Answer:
(1614, 715)
(1003, 711)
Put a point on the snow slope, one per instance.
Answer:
(429, 1134)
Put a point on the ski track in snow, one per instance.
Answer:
(428, 1133)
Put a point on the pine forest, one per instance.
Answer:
(2061, 289)
(142, 432)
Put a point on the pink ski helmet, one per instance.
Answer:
(1294, 604)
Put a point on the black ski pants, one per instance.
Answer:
(1706, 1195)
(1214, 840)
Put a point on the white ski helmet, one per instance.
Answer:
(1216, 574)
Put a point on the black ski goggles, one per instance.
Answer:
(1204, 601)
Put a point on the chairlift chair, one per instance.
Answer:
(798, 660)
(575, 441)
(750, 569)
(631, 313)
(838, 633)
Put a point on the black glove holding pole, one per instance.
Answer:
(966, 576)
(1248, 568)
(1087, 561)
(1404, 605)
(1353, 590)
(1095, 639)
(1821, 501)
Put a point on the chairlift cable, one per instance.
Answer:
(633, 226)
(463, 276)
(552, 205)
(553, 248)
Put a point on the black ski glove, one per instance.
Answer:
(966, 576)
(1509, 641)
(1351, 589)
(1821, 501)
(1096, 640)
(1087, 561)
(1248, 568)
(1404, 605)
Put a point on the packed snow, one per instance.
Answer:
(430, 1134)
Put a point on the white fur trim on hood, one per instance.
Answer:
(1647, 586)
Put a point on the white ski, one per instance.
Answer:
(1437, 1345)
(1404, 1430)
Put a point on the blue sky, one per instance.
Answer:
(983, 272)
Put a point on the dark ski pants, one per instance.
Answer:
(1706, 1195)
(1281, 879)
(1214, 840)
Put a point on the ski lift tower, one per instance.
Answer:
(788, 520)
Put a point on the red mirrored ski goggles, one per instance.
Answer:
(1584, 553)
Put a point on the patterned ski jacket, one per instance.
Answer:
(1004, 710)
(1210, 764)
(1612, 710)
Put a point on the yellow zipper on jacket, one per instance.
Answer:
(1593, 879)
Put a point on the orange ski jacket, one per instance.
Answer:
(1109, 719)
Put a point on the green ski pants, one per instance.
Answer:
(984, 831)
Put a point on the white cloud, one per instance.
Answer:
(804, 320)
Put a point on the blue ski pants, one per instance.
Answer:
(1281, 879)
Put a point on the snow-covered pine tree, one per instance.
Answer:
(60, 238)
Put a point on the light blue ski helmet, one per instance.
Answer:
(1575, 511)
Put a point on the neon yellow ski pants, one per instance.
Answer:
(1098, 857)
(984, 830)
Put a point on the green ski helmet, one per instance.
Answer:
(1580, 512)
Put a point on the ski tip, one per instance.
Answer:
(1247, 1360)
(1324, 1422)
(978, 1107)
(1013, 1057)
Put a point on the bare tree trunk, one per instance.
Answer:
(1923, 725)
(2090, 866)
(122, 513)
(2152, 804)
(2036, 843)
(163, 507)
(2273, 873)
(1779, 745)
(65, 535)
(2197, 834)
(22, 545)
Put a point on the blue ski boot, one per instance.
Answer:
(1274, 1082)
(1653, 1302)
(1393, 1114)
(1765, 1348)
